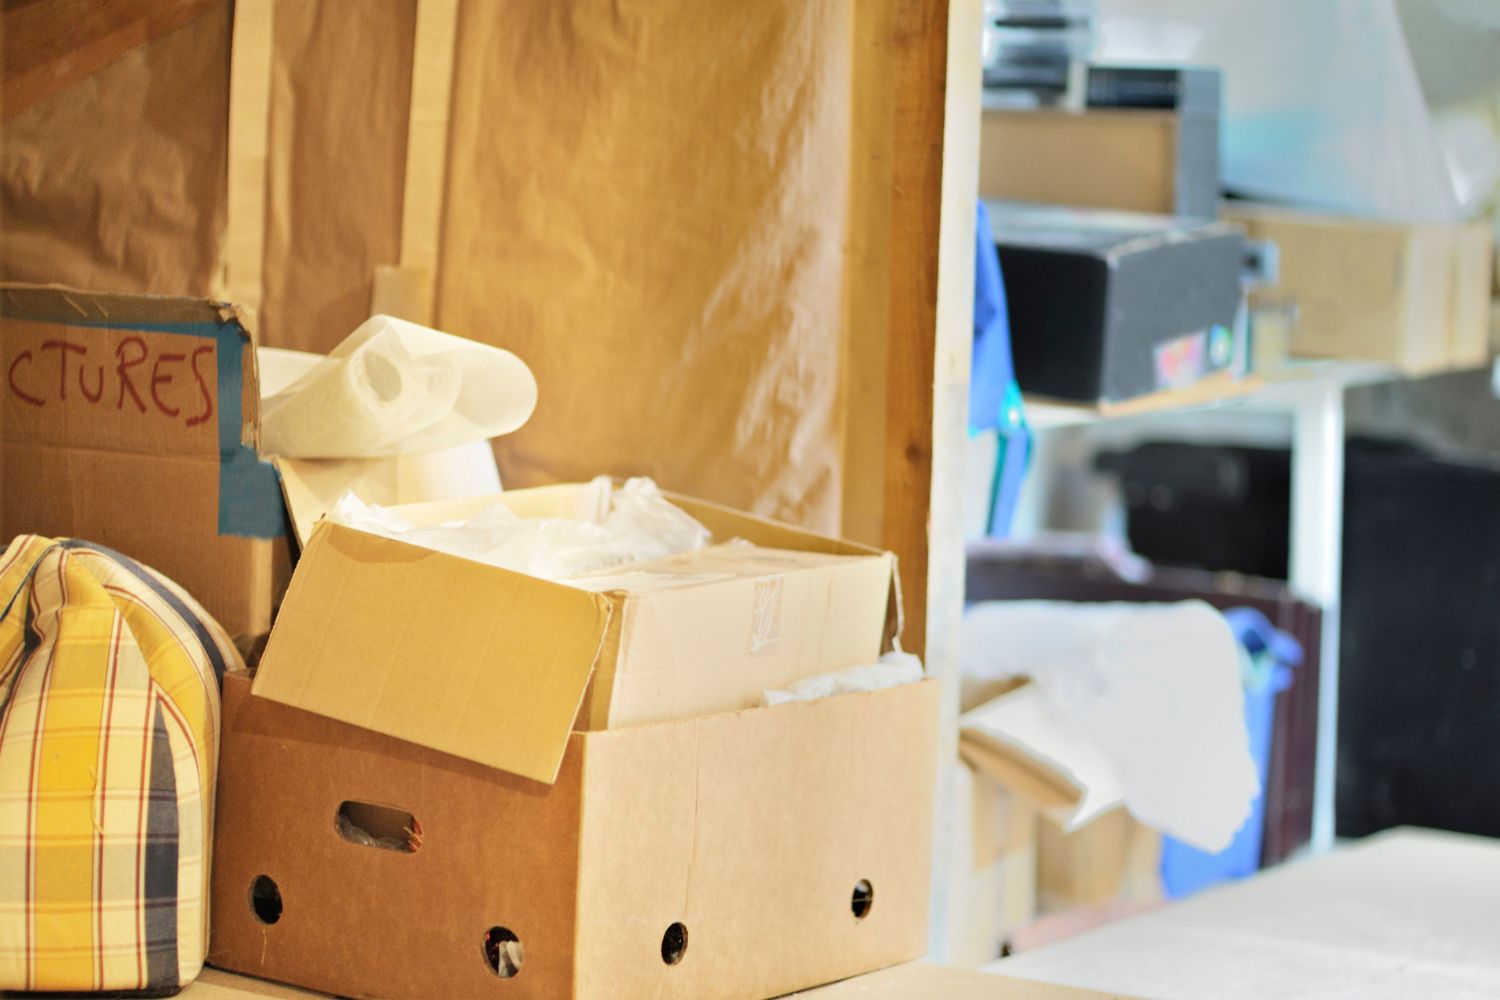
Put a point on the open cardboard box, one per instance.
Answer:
(746, 853)
(492, 665)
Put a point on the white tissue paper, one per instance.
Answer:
(1152, 693)
(640, 525)
(391, 388)
(891, 670)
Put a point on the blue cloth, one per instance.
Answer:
(993, 371)
(994, 396)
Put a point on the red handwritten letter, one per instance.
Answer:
(157, 378)
(122, 364)
(208, 399)
(62, 347)
(21, 394)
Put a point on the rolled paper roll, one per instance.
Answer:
(394, 388)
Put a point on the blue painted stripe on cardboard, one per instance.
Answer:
(250, 503)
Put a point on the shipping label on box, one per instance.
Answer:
(130, 421)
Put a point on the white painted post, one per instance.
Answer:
(955, 337)
(1317, 536)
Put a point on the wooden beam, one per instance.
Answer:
(49, 45)
(932, 334)
(919, 76)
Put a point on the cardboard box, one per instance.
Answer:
(1413, 296)
(1107, 306)
(1163, 162)
(755, 839)
(1111, 857)
(131, 421)
(492, 665)
(994, 867)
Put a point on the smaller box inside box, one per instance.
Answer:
(492, 665)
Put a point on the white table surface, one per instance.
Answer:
(1404, 915)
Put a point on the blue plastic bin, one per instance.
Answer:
(1272, 653)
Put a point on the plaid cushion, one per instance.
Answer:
(109, 739)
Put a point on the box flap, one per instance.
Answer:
(355, 642)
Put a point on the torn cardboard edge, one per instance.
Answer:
(250, 503)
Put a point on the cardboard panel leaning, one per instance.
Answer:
(130, 420)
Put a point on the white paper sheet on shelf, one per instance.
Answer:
(1134, 702)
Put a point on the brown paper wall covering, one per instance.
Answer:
(116, 183)
(676, 212)
(336, 160)
(647, 202)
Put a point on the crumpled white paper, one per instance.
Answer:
(393, 388)
(891, 670)
(639, 525)
(1152, 691)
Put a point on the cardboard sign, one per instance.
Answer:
(131, 421)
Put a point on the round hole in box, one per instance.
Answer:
(674, 943)
(502, 951)
(863, 899)
(265, 899)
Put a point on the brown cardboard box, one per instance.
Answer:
(1111, 858)
(131, 421)
(1133, 160)
(1413, 296)
(492, 665)
(994, 867)
(756, 831)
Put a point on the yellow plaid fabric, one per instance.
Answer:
(109, 741)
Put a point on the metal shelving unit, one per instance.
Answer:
(1312, 395)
